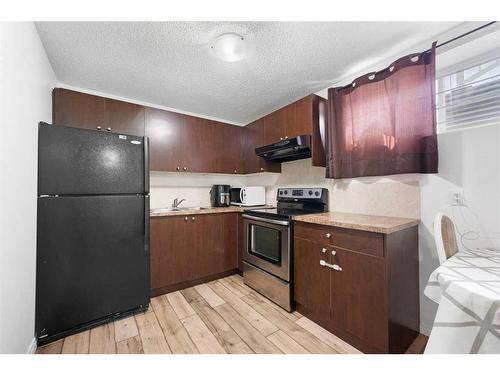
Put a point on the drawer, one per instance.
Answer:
(314, 232)
(370, 243)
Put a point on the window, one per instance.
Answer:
(469, 97)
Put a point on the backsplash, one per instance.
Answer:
(388, 196)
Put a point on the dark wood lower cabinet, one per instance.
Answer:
(370, 301)
(358, 300)
(186, 250)
(312, 289)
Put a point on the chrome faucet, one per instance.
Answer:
(177, 202)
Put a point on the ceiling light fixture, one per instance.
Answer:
(229, 47)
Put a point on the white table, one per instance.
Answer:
(467, 288)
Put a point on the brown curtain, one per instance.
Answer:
(384, 122)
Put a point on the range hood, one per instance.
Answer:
(287, 149)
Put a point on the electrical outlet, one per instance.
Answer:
(457, 198)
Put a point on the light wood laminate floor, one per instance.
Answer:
(223, 316)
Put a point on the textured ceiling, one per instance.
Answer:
(171, 64)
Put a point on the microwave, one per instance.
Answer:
(248, 196)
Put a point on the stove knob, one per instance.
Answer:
(310, 192)
(286, 192)
(316, 193)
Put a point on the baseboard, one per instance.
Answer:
(32, 347)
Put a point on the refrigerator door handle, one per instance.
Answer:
(146, 223)
(146, 166)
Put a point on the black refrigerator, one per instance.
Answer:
(92, 229)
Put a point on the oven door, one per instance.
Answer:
(267, 245)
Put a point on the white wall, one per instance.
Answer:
(26, 81)
(470, 163)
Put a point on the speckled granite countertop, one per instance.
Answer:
(370, 223)
(159, 212)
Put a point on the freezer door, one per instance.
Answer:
(74, 161)
(92, 259)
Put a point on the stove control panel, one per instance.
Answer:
(300, 193)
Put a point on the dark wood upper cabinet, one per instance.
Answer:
(227, 147)
(164, 131)
(123, 117)
(197, 153)
(77, 109)
(306, 116)
(274, 126)
(72, 108)
(186, 143)
(254, 136)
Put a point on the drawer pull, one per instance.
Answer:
(323, 250)
(328, 235)
(334, 252)
(334, 267)
(185, 218)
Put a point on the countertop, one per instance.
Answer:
(199, 211)
(370, 223)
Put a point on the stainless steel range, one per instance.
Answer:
(268, 238)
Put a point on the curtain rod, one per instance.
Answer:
(464, 34)
(437, 46)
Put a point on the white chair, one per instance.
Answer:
(444, 235)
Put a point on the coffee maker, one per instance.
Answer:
(220, 195)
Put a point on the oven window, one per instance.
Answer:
(265, 243)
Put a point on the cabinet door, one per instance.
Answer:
(312, 281)
(227, 148)
(172, 251)
(72, 108)
(217, 250)
(274, 126)
(164, 131)
(253, 137)
(359, 298)
(198, 154)
(123, 117)
(251, 161)
(302, 118)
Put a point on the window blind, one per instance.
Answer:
(469, 97)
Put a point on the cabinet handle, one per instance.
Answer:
(334, 267)
(334, 252)
(328, 235)
(108, 129)
(192, 219)
(235, 171)
(281, 138)
(323, 250)
(178, 168)
(98, 127)
(184, 169)
(186, 218)
(262, 169)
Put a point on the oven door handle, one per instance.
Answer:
(270, 221)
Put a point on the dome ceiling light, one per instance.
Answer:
(229, 47)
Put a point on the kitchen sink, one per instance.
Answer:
(178, 209)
